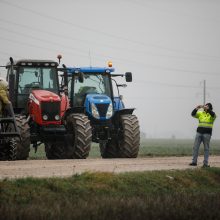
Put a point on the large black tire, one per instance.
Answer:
(12, 149)
(8, 149)
(57, 150)
(80, 131)
(130, 141)
(23, 145)
(78, 140)
(109, 149)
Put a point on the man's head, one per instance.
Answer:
(3, 83)
(209, 106)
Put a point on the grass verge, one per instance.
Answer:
(189, 194)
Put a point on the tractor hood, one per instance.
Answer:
(99, 106)
(44, 96)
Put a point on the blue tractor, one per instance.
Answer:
(114, 127)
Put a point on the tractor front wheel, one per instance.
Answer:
(130, 136)
(80, 132)
(57, 150)
(129, 140)
(77, 142)
(126, 145)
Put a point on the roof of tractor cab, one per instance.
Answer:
(72, 70)
(31, 62)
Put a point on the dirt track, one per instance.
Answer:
(64, 168)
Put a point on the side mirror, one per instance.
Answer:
(128, 77)
(81, 77)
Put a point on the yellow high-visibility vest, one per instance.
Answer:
(205, 119)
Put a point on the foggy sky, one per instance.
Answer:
(170, 46)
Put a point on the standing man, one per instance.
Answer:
(206, 119)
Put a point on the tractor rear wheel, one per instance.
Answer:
(80, 132)
(23, 145)
(130, 136)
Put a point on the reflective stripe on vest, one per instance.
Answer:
(206, 124)
(205, 119)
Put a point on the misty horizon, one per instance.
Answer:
(171, 47)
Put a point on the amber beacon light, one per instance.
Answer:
(110, 64)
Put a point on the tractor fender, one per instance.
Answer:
(118, 115)
(125, 111)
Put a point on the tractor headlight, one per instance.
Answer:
(109, 111)
(95, 112)
(57, 117)
(45, 117)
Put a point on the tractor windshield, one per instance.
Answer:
(94, 83)
(30, 78)
(37, 78)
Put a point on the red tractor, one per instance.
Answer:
(42, 112)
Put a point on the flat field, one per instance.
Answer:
(150, 147)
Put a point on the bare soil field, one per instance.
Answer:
(65, 168)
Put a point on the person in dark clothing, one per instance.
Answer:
(206, 118)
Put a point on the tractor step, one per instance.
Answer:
(9, 134)
(3, 120)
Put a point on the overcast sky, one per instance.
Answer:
(170, 46)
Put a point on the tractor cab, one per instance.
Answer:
(92, 86)
(29, 75)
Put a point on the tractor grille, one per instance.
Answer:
(50, 109)
(102, 108)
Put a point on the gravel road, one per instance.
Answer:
(65, 168)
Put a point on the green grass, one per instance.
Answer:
(40, 154)
(189, 194)
(173, 147)
(150, 147)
